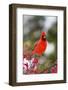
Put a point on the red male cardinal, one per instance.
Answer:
(40, 45)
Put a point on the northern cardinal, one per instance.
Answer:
(41, 45)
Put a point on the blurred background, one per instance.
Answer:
(33, 25)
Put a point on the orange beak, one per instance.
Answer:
(44, 37)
